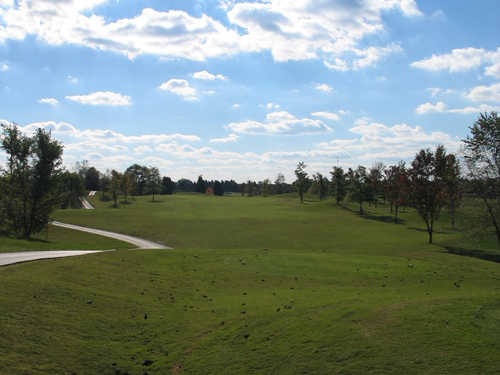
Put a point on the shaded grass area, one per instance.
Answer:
(250, 311)
(61, 239)
(254, 285)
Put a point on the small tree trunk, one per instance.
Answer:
(493, 219)
(301, 196)
(396, 210)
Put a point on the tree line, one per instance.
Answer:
(433, 181)
(33, 182)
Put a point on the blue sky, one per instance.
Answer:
(246, 89)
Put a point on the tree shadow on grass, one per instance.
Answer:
(481, 254)
(425, 230)
(156, 201)
(371, 216)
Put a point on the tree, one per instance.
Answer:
(453, 186)
(115, 186)
(339, 184)
(266, 187)
(302, 181)
(482, 158)
(218, 188)
(30, 180)
(139, 174)
(396, 181)
(153, 181)
(167, 186)
(279, 184)
(358, 184)
(426, 185)
(71, 189)
(127, 185)
(321, 184)
(375, 178)
(91, 181)
(201, 185)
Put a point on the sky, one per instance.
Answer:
(239, 89)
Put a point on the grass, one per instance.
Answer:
(60, 239)
(253, 286)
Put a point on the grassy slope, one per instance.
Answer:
(348, 300)
(61, 239)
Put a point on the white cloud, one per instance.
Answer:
(236, 105)
(141, 150)
(441, 107)
(50, 101)
(333, 31)
(279, 123)
(436, 91)
(461, 60)
(204, 75)
(4, 67)
(327, 115)
(485, 93)
(180, 87)
(6, 3)
(493, 71)
(72, 79)
(272, 106)
(229, 138)
(323, 87)
(209, 92)
(104, 98)
(429, 107)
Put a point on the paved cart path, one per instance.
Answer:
(26, 256)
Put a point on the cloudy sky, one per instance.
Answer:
(246, 89)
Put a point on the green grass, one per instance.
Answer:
(60, 239)
(254, 286)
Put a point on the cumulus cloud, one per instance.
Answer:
(430, 107)
(279, 123)
(333, 31)
(463, 59)
(4, 67)
(327, 115)
(323, 87)
(204, 75)
(229, 138)
(236, 106)
(271, 106)
(50, 101)
(485, 93)
(102, 98)
(436, 91)
(179, 155)
(441, 107)
(181, 88)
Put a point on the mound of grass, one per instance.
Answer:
(61, 239)
(255, 285)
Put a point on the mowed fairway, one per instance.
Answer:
(253, 286)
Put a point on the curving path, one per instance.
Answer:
(139, 242)
(27, 256)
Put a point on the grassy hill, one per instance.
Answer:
(254, 285)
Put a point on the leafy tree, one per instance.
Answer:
(321, 184)
(397, 187)
(105, 184)
(167, 186)
(201, 185)
(153, 181)
(482, 158)
(218, 188)
(91, 181)
(339, 184)
(453, 186)
(139, 173)
(127, 185)
(359, 186)
(71, 189)
(185, 185)
(427, 187)
(266, 187)
(30, 180)
(375, 177)
(115, 186)
(302, 181)
(279, 184)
